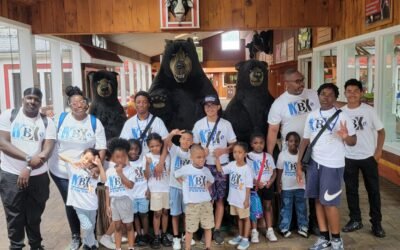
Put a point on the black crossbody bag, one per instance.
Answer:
(143, 134)
(212, 132)
(305, 160)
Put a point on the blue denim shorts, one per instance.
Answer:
(141, 205)
(176, 205)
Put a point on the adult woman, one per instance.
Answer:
(76, 131)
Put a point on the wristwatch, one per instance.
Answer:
(28, 158)
(29, 168)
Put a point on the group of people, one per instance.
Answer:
(144, 170)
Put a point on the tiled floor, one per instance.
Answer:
(56, 235)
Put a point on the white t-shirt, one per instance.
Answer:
(81, 189)
(222, 136)
(290, 111)
(157, 185)
(254, 160)
(140, 187)
(240, 178)
(72, 139)
(26, 134)
(115, 186)
(329, 149)
(366, 122)
(179, 158)
(134, 127)
(288, 163)
(194, 186)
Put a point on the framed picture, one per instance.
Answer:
(179, 14)
(378, 12)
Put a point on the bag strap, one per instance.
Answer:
(143, 134)
(93, 122)
(61, 120)
(264, 160)
(212, 132)
(325, 127)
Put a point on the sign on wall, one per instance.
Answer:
(378, 12)
(179, 14)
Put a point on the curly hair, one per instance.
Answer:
(73, 90)
(118, 144)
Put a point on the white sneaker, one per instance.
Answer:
(106, 241)
(192, 243)
(270, 235)
(123, 239)
(254, 236)
(176, 243)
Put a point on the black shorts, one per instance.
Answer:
(266, 193)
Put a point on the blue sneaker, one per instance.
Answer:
(235, 241)
(243, 245)
(321, 244)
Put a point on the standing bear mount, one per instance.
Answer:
(180, 86)
(106, 106)
(248, 110)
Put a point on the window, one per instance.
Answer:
(391, 89)
(230, 40)
(10, 79)
(360, 64)
(43, 67)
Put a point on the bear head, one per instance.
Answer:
(179, 58)
(179, 8)
(104, 85)
(251, 74)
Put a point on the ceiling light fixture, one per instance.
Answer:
(181, 35)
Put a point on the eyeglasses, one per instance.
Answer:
(77, 103)
(297, 81)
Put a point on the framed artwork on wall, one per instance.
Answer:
(179, 14)
(378, 12)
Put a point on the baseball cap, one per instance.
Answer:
(211, 99)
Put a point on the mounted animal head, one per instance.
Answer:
(104, 85)
(179, 60)
(179, 8)
(251, 73)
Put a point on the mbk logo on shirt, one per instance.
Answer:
(115, 184)
(197, 183)
(257, 164)
(359, 123)
(139, 174)
(80, 183)
(136, 132)
(300, 107)
(236, 181)
(290, 168)
(75, 134)
(316, 124)
(205, 134)
(26, 133)
(179, 162)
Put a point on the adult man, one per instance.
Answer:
(288, 112)
(26, 140)
(363, 156)
(325, 170)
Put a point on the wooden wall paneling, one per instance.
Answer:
(213, 16)
(250, 16)
(122, 14)
(46, 17)
(262, 14)
(237, 14)
(153, 17)
(226, 16)
(71, 15)
(59, 16)
(84, 21)
(204, 17)
(274, 13)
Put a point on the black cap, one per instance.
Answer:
(211, 99)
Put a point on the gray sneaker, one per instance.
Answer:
(218, 238)
(321, 244)
(75, 242)
(337, 244)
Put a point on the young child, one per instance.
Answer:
(180, 156)
(139, 193)
(217, 144)
(240, 183)
(83, 178)
(120, 178)
(159, 189)
(289, 188)
(196, 180)
(262, 161)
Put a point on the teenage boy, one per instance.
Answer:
(363, 156)
(217, 144)
(326, 167)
